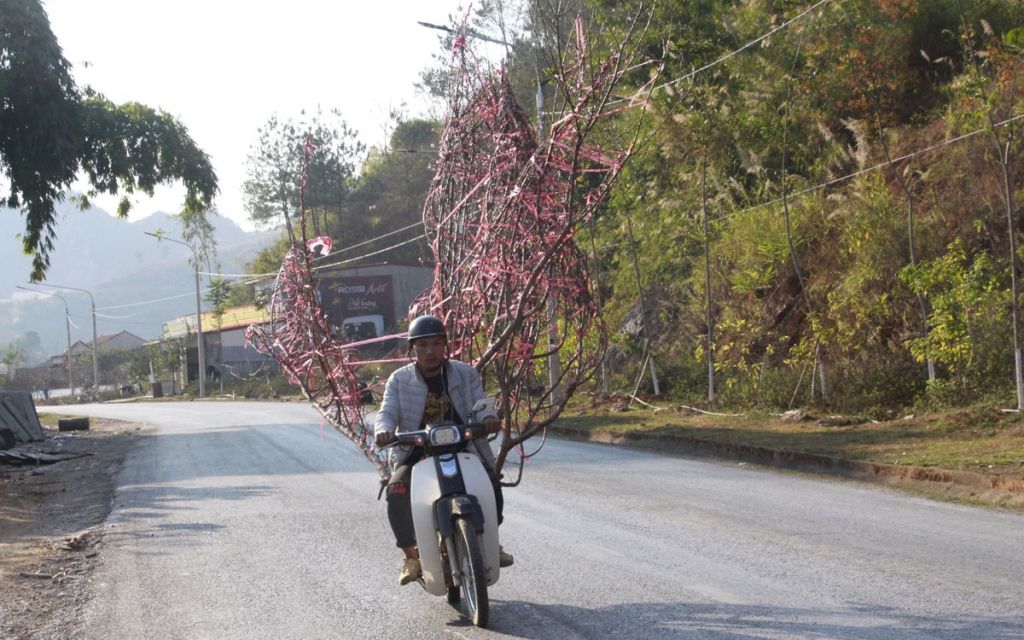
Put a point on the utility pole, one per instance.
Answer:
(199, 312)
(95, 366)
(67, 320)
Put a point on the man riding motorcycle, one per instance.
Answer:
(430, 389)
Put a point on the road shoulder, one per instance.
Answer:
(51, 526)
(936, 483)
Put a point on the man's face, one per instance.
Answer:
(430, 353)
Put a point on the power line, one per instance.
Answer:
(380, 237)
(119, 320)
(259, 276)
(239, 275)
(103, 315)
(136, 304)
(736, 52)
(867, 170)
(834, 181)
(746, 46)
(368, 255)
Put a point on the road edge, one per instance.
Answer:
(961, 485)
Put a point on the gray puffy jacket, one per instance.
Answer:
(405, 398)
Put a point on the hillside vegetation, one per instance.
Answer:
(844, 178)
(822, 209)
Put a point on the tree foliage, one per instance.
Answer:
(389, 196)
(968, 307)
(275, 165)
(380, 218)
(51, 130)
(779, 100)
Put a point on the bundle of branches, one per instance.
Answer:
(301, 339)
(503, 212)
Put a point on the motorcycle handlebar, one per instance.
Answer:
(475, 430)
(421, 438)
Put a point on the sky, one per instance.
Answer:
(223, 68)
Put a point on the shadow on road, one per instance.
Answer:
(246, 450)
(642, 621)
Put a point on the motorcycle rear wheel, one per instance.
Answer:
(468, 548)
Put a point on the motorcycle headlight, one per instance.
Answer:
(440, 436)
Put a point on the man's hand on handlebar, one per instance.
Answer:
(384, 438)
(493, 425)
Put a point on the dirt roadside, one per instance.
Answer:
(51, 530)
(51, 516)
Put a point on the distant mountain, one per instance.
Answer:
(93, 246)
(119, 265)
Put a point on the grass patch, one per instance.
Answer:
(50, 419)
(983, 440)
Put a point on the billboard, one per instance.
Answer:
(350, 296)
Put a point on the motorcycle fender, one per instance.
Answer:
(425, 492)
(449, 508)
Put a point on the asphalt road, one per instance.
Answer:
(240, 520)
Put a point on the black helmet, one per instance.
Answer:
(426, 327)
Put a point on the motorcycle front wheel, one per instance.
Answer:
(474, 575)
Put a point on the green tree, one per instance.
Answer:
(164, 357)
(32, 345)
(274, 168)
(50, 130)
(390, 193)
(968, 299)
(387, 197)
(219, 295)
(14, 356)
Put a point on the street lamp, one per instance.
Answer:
(67, 319)
(199, 312)
(554, 361)
(95, 366)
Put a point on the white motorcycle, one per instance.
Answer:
(455, 516)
